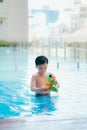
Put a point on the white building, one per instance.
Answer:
(14, 20)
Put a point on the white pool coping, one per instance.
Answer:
(57, 124)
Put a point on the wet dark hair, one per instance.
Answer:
(41, 60)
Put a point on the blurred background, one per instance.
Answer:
(58, 28)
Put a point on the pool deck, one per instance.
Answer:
(60, 124)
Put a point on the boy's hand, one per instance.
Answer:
(43, 89)
(47, 87)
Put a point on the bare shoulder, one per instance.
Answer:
(34, 76)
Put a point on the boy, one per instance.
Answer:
(38, 80)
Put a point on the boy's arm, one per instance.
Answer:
(33, 86)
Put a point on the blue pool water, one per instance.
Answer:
(16, 99)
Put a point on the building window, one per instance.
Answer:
(1, 0)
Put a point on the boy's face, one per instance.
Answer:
(42, 68)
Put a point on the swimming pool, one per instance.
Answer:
(17, 101)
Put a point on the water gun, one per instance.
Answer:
(51, 83)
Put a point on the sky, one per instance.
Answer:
(54, 4)
(65, 7)
(59, 5)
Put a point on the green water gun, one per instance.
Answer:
(51, 83)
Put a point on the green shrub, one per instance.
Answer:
(5, 43)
